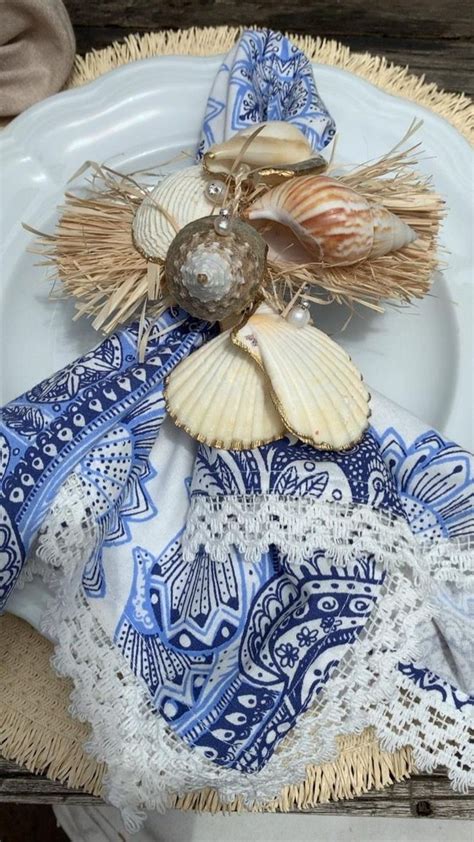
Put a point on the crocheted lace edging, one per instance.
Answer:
(148, 764)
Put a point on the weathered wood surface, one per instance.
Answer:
(434, 37)
(424, 796)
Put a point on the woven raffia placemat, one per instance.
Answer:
(36, 729)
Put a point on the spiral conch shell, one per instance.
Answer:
(178, 199)
(335, 224)
(278, 143)
(268, 378)
(214, 276)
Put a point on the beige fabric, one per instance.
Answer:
(37, 49)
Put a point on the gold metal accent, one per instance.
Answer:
(217, 443)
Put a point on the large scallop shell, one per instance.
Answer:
(278, 143)
(316, 388)
(178, 199)
(220, 397)
(334, 223)
(215, 276)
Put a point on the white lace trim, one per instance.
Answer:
(147, 763)
(300, 526)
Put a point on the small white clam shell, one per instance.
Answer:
(221, 397)
(278, 143)
(316, 388)
(178, 199)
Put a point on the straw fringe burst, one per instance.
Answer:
(93, 254)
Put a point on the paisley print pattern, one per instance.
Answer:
(232, 654)
(435, 479)
(290, 468)
(100, 419)
(265, 77)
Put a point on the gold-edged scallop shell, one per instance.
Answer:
(277, 143)
(221, 397)
(256, 383)
(334, 224)
(177, 199)
(214, 276)
(316, 389)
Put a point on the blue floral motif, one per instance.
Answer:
(287, 654)
(435, 482)
(307, 636)
(93, 411)
(28, 420)
(233, 653)
(90, 369)
(265, 77)
(292, 469)
(329, 623)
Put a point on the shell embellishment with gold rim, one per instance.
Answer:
(335, 224)
(274, 143)
(268, 378)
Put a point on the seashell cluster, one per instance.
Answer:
(276, 144)
(270, 377)
(335, 224)
(219, 396)
(178, 199)
(214, 276)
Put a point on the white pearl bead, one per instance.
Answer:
(298, 316)
(215, 192)
(223, 222)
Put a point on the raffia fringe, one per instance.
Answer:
(36, 729)
(457, 109)
(360, 767)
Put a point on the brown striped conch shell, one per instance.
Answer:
(177, 199)
(268, 378)
(335, 224)
(278, 143)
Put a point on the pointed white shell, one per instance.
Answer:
(178, 199)
(221, 397)
(390, 232)
(278, 143)
(316, 388)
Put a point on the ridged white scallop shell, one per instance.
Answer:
(278, 143)
(333, 222)
(221, 397)
(178, 199)
(316, 388)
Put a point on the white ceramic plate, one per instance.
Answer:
(141, 115)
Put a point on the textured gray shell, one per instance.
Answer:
(242, 252)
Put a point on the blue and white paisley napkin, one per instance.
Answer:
(225, 616)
